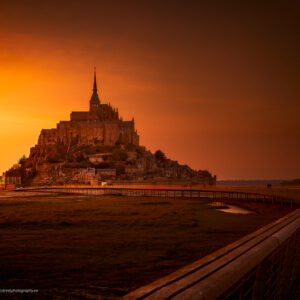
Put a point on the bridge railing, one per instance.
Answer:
(261, 265)
(171, 192)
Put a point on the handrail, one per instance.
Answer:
(211, 276)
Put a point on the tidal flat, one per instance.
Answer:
(102, 247)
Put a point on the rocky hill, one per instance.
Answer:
(91, 164)
(97, 145)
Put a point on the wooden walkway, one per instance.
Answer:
(170, 192)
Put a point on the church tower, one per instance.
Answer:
(94, 102)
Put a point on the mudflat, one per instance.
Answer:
(102, 247)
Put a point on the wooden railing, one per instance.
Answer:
(261, 265)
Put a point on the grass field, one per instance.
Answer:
(83, 247)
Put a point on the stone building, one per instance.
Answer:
(87, 176)
(9, 182)
(131, 170)
(107, 173)
(101, 125)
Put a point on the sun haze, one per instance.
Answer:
(213, 86)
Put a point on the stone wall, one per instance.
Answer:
(106, 133)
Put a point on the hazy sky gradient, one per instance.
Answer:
(213, 84)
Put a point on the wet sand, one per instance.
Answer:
(83, 247)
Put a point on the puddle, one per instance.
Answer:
(231, 209)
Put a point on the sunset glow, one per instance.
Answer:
(214, 92)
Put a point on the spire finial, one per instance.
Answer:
(95, 81)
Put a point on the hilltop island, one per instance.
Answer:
(96, 146)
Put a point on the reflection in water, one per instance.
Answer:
(235, 210)
(232, 209)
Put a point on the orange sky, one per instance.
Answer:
(213, 86)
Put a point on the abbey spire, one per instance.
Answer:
(94, 102)
(95, 81)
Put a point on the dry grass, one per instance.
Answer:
(83, 247)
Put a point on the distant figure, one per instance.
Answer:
(269, 185)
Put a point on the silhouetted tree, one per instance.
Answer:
(119, 154)
(22, 159)
(159, 156)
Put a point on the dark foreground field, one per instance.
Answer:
(78, 247)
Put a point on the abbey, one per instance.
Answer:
(95, 146)
(100, 125)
